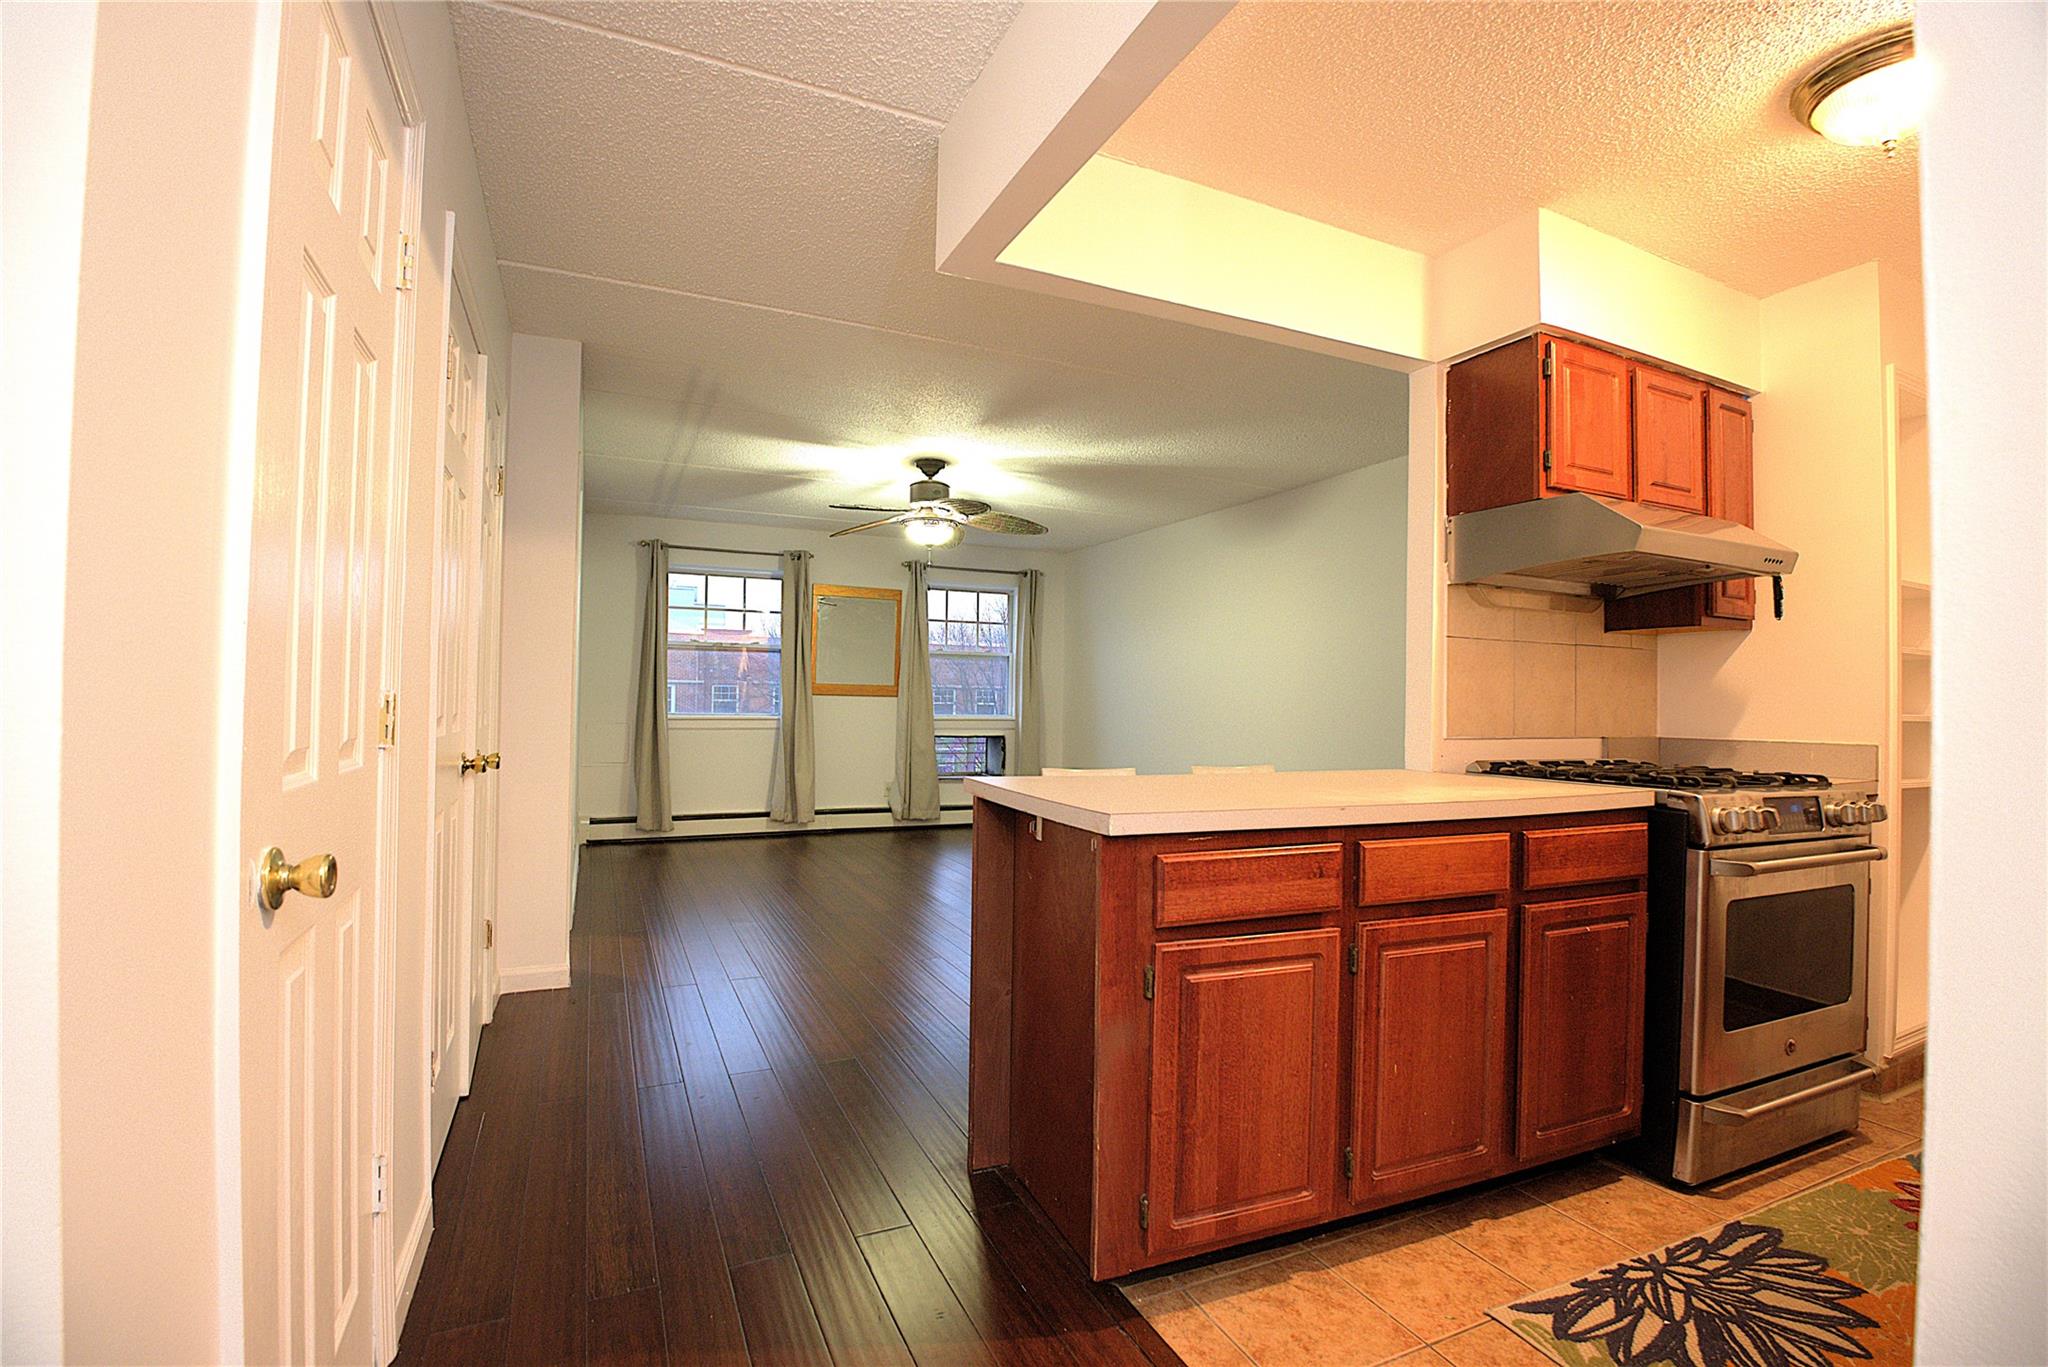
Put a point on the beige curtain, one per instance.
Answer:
(914, 794)
(650, 715)
(793, 788)
(1024, 637)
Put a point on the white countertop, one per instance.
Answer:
(1173, 804)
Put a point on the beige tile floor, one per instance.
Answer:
(1413, 1287)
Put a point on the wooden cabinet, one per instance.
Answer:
(1430, 1053)
(1729, 434)
(1541, 416)
(1586, 432)
(1548, 415)
(1580, 1037)
(1667, 422)
(1244, 1087)
(1392, 1010)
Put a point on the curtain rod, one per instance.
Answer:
(964, 569)
(715, 550)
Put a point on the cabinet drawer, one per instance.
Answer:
(1431, 869)
(1233, 885)
(1584, 854)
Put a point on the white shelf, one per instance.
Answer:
(1913, 588)
(1912, 784)
(1917, 652)
(1916, 718)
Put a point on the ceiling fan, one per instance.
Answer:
(935, 518)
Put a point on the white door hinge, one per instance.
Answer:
(408, 261)
(387, 721)
(379, 1168)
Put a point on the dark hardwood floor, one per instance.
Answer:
(740, 1134)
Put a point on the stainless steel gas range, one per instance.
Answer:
(1758, 946)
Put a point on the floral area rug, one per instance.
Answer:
(1817, 1280)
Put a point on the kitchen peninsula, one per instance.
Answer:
(1207, 1008)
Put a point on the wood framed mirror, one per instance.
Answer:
(856, 641)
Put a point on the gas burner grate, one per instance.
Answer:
(1636, 773)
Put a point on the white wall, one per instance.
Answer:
(1820, 674)
(1984, 1233)
(537, 698)
(46, 88)
(721, 765)
(1270, 632)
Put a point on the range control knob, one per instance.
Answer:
(1772, 817)
(1877, 811)
(1835, 814)
(1724, 821)
(1752, 818)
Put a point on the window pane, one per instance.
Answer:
(935, 635)
(726, 591)
(959, 636)
(764, 595)
(685, 590)
(960, 605)
(980, 685)
(993, 638)
(945, 701)
(743, 683)
(935, 604)
(681, 621)
(995, 607)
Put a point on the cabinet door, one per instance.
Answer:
(1244, 1087)
(1730, 483)
(1670, 423)
(1581, 1056)
(1586, 428)
(1430, 1106)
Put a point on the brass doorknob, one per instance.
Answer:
(474, 764)
(275, 877)
(491, 760)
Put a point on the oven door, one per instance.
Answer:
(1777, 942)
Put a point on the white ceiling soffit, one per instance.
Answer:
(732, 206)
(1424, 125)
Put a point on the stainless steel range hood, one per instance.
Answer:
(1583, 544)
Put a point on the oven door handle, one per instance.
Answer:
(1721, 1113)
(1745, 868)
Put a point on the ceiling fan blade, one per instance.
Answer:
(1007, 523)
(966, 507)
(866, 508)
(878, 522)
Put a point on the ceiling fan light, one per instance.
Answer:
(1869, 96)
(935, 532)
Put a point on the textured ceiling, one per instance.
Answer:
(1426, 124)
(732, 206)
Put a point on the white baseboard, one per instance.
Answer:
(542, 979)
(412, 1258)
(688, 826)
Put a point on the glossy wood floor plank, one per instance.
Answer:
(738, 1136)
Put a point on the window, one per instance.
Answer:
(971, 651)
(970, 756)
(724, 643)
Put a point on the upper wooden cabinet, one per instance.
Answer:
(1244, 1087)
(1731, 604)
(1547, 415)
(1586, 421)
(1668, 420)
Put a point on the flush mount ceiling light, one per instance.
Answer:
(1869, 95)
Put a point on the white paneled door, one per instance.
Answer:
(489, 634)
(459, 763)
(329, 433)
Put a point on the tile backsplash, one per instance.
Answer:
(1524, 664)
